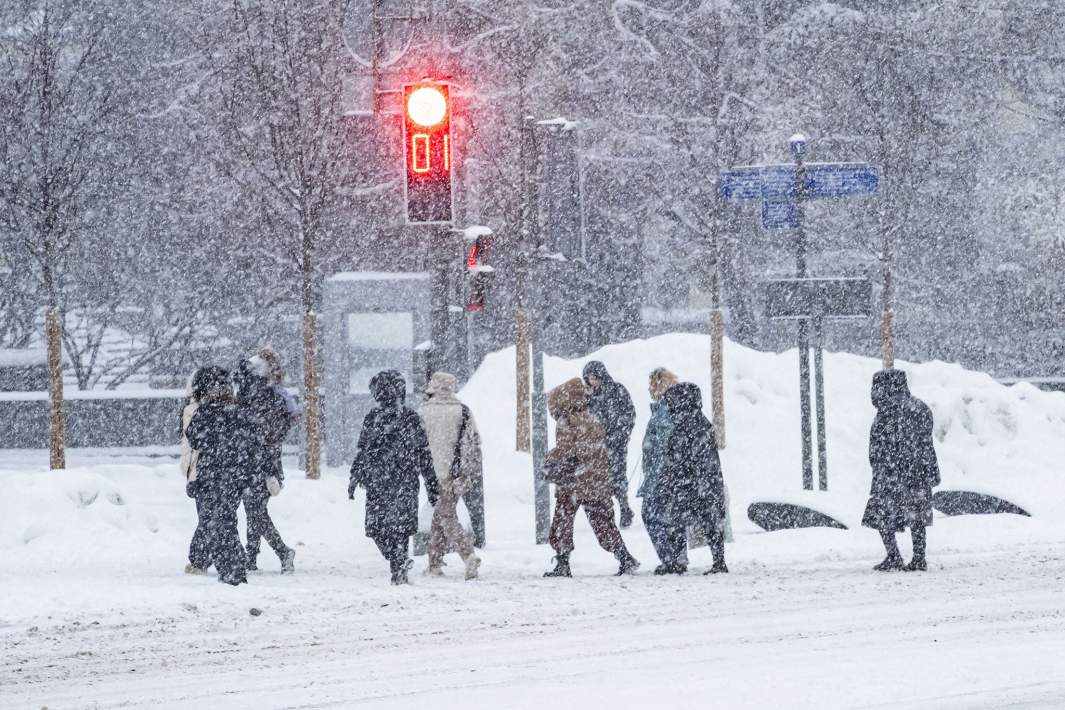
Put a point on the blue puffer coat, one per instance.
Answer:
(655, 444)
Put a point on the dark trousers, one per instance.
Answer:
(600, 515)
(224, 546)
(619, 481)
(670, 541)
(715, 538)
(199, 548)
(261, 525)
(394, 549)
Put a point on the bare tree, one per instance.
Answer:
(59, 100)
(276, 70)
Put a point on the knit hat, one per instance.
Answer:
(442, 383)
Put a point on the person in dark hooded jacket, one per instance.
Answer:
(610, 403)
(690, 483)
(225, 444)
(267, 415)
(393, 451)
(902, 456)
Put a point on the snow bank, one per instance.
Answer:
(1006, 441)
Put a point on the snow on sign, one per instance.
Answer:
(775, 186)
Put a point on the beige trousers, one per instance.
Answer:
(447, 532)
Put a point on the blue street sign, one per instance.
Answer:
(827, 180)
(823, 181)
(780, 213)
(740, 184)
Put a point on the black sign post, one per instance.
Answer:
(814, 299)
(783, 191)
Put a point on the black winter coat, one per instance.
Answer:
(902, 456)
(393, 452)
(267, 416)
(690, 487)
(611, 404)
(226, 444)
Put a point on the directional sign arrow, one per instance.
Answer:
(823, 181)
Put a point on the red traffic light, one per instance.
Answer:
(428, 152)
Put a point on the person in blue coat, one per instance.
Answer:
(669, 540)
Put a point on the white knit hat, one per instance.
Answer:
(442, 383)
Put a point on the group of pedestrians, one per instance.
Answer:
(233, 425)
(233, 428)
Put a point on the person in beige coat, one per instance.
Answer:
(579, 468)
(456, 449)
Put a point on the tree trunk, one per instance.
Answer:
(521, 367)
(717, 374)
(56, 446)
(312, 406)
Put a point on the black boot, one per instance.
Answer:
(717, 549)
(561, 566)
(626, 515)
(918, 563)
(893, 561)
(400, 570)
(627, 564)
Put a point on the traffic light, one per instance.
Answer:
(478, 272)
(428, 152)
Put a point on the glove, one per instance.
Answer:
(434, 498)
(191, 489)
(351, 490)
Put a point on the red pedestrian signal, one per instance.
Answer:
(428, 152)
(479, 273)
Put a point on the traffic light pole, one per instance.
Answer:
(438, 328)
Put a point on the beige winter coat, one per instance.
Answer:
(441, 417)
(188, 455)
(579, 437)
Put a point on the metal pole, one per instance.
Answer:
(798, 146)
(819, 401)
(438, 299)
(541, 489)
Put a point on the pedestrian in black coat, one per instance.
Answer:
(610, 403)
(266, 413)
(905, 469)
(199, 552)
(393, 451)
(225, 444)
(690, 483)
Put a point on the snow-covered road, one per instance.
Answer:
(95, 611)
(981, 630)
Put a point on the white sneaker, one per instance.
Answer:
(473, 563)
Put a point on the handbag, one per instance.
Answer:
(273, 485)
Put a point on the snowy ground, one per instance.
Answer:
(96, 613)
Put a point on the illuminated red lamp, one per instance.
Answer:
(427, 153)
